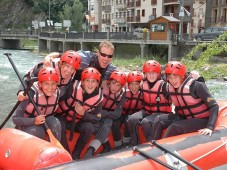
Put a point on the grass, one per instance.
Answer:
(134, 63)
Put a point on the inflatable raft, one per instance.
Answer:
(187, 151)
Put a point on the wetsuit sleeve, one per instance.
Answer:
(94, 115)
(202, 92)
(19, 119)
(117, 111)
(108, 72)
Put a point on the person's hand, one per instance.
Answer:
(39, 120)
(205, 131)
(79, 109)
(21, 97)
(194, 74)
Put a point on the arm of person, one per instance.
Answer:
(202, 92)
(111, 68)
(19, 119)
(49, 57)
(95, 115)
(117, 111)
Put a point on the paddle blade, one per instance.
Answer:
(53, 140)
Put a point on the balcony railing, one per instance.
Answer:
(106, 8)
(106, 21)
(120, 6)
(120, 20)
(171, 1)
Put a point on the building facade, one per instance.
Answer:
(126, 15)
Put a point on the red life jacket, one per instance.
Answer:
(185, 104)
(154, 100)
(46, 105)
(67, 107)
(110, 100)
(133, 102)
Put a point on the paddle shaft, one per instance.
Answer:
(153, 158)
(173, 154)
(24, 86)
(17, 104)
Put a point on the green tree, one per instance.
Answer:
(205, 51)
(55, 7)
(75, 13)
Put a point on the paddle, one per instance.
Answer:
(53, 140)
(18, 102)
(153, 158)
(175, 155)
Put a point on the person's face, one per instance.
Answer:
(48, 87)
(115, 86)
(67, 70)
(105, 56)
(134, 87)
(174, 80)
(89, 85)
(151, 76)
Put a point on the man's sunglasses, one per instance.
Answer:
(105, 55)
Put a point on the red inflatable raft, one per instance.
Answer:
(187, 151)
(22, 151)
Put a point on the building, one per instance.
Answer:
(218, 13)
(126, 15)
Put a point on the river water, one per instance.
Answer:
(25, 60)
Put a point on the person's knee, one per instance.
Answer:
(132, 120)
(35, 131)
(87, 128)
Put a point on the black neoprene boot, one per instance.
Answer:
(90, 152)
(106, 147)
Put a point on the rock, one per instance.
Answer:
(225, 78)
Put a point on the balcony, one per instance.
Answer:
(120, 20)
(133, 19)
(106, 8)
(171, 2)
(130, 19)
(106, 21)
(120, 6)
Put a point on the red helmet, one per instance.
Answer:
(91, 73)
(152, 65)
(134, 76)
(175, 67)
(48, 74)
(119, 76)
(72, 58)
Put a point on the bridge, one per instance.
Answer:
(125, 42)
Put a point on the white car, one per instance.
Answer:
(138, 33)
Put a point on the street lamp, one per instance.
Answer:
(181, 14)
(49, 16)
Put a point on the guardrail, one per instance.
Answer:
(85, 35)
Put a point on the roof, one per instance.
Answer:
(169, 18)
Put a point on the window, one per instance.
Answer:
(143, 12)
(158, 27)
(154, 11)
